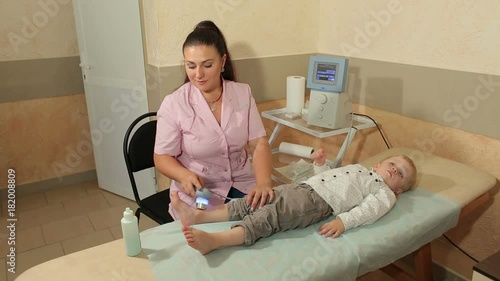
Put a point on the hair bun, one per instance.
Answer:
(207, 24)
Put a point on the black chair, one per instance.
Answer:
(138, 149)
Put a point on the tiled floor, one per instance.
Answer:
(62, 221)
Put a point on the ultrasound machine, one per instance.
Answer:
(329, 105)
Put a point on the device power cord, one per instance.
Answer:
(351, 126)
(223, 197)
(376, 124)
(456, 246)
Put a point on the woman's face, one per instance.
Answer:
(203, 67)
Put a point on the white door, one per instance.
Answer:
(112, 61)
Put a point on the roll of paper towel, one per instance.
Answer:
(296, 149)
(295, 91)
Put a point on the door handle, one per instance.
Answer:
(85, 66)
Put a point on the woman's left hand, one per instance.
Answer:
(260, 196)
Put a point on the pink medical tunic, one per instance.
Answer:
(188, 130)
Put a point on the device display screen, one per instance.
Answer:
(325, 73)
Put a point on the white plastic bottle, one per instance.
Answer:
(130, 230)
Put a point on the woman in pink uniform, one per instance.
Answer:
(209, 126)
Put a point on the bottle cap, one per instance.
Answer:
(128, 213)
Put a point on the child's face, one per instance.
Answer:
(395, 171)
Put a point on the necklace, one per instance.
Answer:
(212, 105)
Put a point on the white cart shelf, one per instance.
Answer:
(278, 116)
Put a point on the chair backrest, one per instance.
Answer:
(138, 148)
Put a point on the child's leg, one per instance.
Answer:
(205, 242)
(190, 216)
(293, 206)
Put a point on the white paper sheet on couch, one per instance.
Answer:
(301, 254)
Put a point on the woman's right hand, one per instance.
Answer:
(190, 183)
(173, 169)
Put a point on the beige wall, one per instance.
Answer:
(463, 100)
(458, 35)
(43, 116)
(445, 34)
(34, 29)
(150, 32)
(45, 138)
(252, 28)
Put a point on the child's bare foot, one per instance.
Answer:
(199, 240)
(186, 213)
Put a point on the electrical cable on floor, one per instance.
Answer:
(456, 246)
(379, 130)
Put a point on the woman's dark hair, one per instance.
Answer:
(207, 33)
